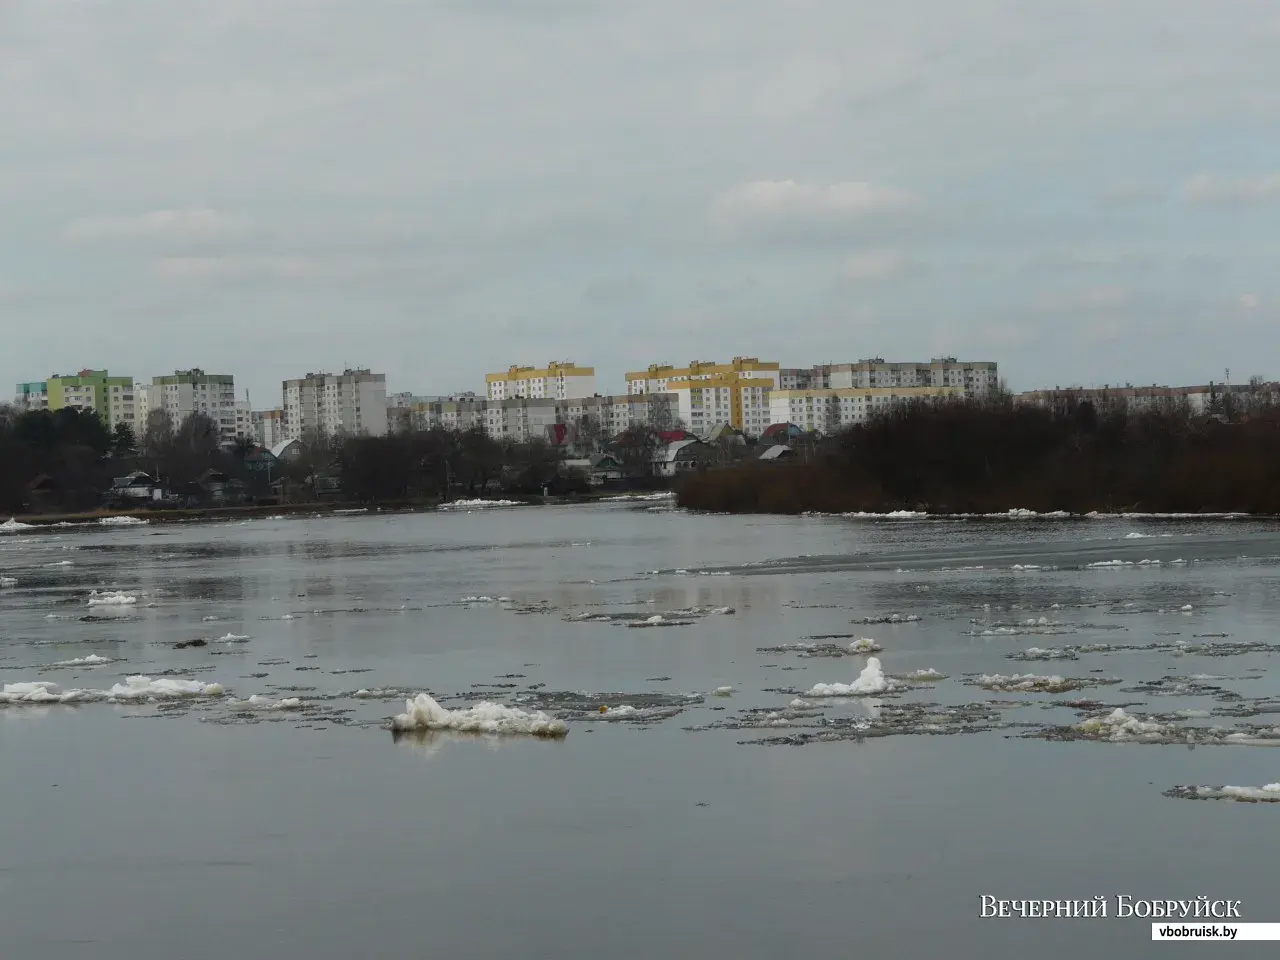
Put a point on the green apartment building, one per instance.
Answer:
(112, 398)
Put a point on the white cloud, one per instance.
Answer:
(1211, 188)
(160, 226)
(870, 266)
(788, 200)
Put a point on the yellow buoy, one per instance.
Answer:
(603, 708)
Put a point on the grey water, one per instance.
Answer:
(708, 825)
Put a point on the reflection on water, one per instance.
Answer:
(673, 819)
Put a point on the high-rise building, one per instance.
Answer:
(32, 396)
(112, 398)
(827, 409)
(193, 391)
(658, 377)
(976, 379)
(558, 380)
(352, 402)
(268, 427)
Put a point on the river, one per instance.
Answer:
(687, 820)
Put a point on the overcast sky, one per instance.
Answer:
(1085, 192)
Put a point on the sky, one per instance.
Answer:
(1086, 193)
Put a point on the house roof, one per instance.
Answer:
(780, 429)
(777, 451)
(282, 446)
(671, 452)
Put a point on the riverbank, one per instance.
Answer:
(47, 521)
(979, 459)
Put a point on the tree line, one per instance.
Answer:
(993, 455)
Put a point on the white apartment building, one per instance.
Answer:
(616, 414)
(828, 409)
(31, 396)
(268, 427)
(353, 402)
(741, 402)
(975, 378)
(558, 380)
(194, 391)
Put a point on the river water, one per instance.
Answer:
(702, 824)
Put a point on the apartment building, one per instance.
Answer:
(828, 409)
(349, 403)
(268, 427)
(31, 396)
(558, 380)
(1196, 399)
(975, 378)
(658, 377)
(742, 402)
(616, 414)
(187, 392)
(112, 398)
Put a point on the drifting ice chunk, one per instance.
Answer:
(8, 582)
(865, 645)
(1119, 726)
(122, 522)
(927, 674)
(723, 691)
(92, 660)
(1026, 683)
(144, 688)
(233, 638)
(266, 703)
(41, 691)
(871, 680)
(110, 599)
(478, 504)
(424, 713)
(1270, 793)
(13, 526)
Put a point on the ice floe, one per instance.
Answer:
(259, 702)
(14, 526)
(233, 638)
(1268, 793)
(888, 618)
(925, 675)
(92, 660)
(122, 522)
(865, 645)
(723, 691)
(424, 713)
(871, 680)
(8, 581)
(1032, 683)
(478, 504)
(111, 599)
(135, 689)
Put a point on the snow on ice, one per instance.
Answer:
(111, 599)
(870, 680)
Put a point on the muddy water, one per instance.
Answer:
(193, 821)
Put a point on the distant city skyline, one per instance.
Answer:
(435, 191)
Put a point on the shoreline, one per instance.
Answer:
(41, 522)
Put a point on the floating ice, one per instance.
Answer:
(266, 703)
(891, 515)
(134, 689)
(1186, 608)
(165, 688)
(926, 674)
(60, 563)
(723, 691)
(208, 619)
(1137, 536)
(92, 660)
(13, 526)
(478, 504)
(1025, 566)
(122, 522)
(871, 680)
(1027, 683)
(233, 638)
(1270, 793)
(618, 712)
(424, 713)
(865, 645)
(1119, 726)
(889, 618)
(111, 599)
(8, 582)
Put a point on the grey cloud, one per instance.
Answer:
(1211, 188)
